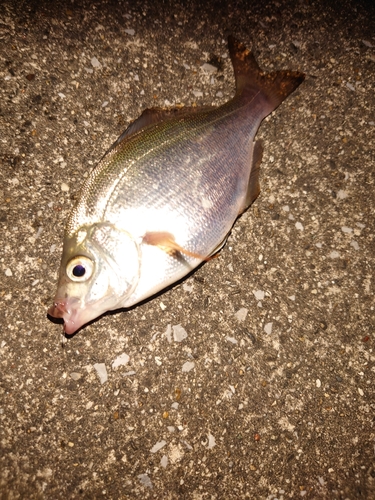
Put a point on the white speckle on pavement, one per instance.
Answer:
(158, 446)
(208, 68)
(231, 339)
(101, 370)
(168, 333)
(341, 194)
(145, 480)
(334, 254)
(268, 328)
(259, 294)
(241, 314)
(95, 63)
(179, 333)
(121, 360)
(188, 366)
(211, 441)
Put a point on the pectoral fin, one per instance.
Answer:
(166, 241)
(253, 188)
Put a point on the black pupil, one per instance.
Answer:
(78, 271)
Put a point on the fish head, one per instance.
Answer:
(99, 269)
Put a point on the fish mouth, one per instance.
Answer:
(70, 312)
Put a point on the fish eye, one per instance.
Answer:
(80, 269)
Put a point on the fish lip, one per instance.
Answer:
(57, 310)
(69, 312)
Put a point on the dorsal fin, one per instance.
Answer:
(151, 116)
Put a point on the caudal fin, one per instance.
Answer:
(275, 86)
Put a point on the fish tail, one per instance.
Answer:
(250, 79)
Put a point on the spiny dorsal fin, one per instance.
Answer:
(151, 116)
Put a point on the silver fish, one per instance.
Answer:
(165, 196)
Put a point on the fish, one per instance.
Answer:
(165, 196)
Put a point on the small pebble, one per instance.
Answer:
(168, 333)
(121, 360)
(259, 294)
(334, 255)
(8, 272)
(158, 446)
(64, 187)
(101, 370)
(318, 383)
(211, 441)
(95, 63)
(145, 480)
(231, 339)
(188, 366)
(268, 328)
(241, 314)
(179, 333)
(350, 86)
(341, 194)
(209, 68)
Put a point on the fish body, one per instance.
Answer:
(165, 196)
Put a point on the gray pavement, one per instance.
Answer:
(253, 378)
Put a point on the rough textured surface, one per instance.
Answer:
(254, 378)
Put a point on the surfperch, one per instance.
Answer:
(165, 196)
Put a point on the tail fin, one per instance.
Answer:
(275, 86)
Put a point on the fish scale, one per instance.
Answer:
(165, 196)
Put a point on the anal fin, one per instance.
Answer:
(253, 188)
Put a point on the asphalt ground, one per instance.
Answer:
(253, 378)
